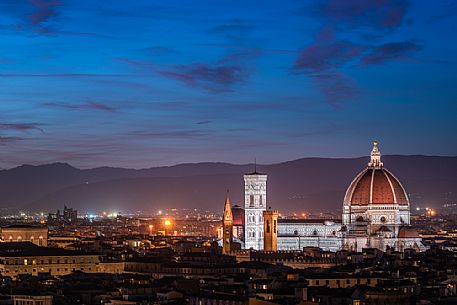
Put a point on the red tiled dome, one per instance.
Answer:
(375, 185)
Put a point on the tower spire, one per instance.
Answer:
(375, 157)
(228, 209)
(227, 226)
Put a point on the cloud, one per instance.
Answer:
(391, 51)
(335, 87)
(324, 59)
(21, 127)
(235, 31)
(375, 14)
(448, 10)
(214, 78)
(320, 62)
(235, 27)
(61, 75)
(179, 134)
(326, 54)
(6, 140)
(100, 106)
(158, 50)
(203, 122)
(44, 11)
(90, 105)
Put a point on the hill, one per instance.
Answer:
(311, 184)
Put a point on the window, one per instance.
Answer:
(260, 200)
(251, 200)
(274, 226)
(268, 226)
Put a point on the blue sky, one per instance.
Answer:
(148, 83)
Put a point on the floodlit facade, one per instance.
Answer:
(255, 203)
(376, 214)
(25, 233)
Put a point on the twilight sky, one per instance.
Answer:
(147, 83)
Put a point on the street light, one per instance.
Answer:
(150, 229)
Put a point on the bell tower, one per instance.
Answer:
(255, 202)
(270, 228)
(227, 229)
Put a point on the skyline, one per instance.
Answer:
(144, 85)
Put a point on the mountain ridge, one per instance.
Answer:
(311, 184)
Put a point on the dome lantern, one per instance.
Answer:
(375, 157)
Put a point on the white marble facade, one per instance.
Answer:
(255, 202)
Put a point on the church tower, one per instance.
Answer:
(270, 228)
(255, 202)
(227, 229)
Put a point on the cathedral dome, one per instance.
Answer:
(407, 232)
(375, 185)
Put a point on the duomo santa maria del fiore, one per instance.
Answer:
(375, 214)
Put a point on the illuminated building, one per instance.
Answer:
(270, 229)
(376, 210)
(376, 214)
(27, 258)
(227, 227)
(238, 222)
(255, 201)
(25, 233)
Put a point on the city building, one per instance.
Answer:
(270, 229)
(25, 233)
(238, 222)
(376, 214)
(376, 210)
(69, 215)
(255, 203)
(227, 229)
(32, 300)
(26, 258)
